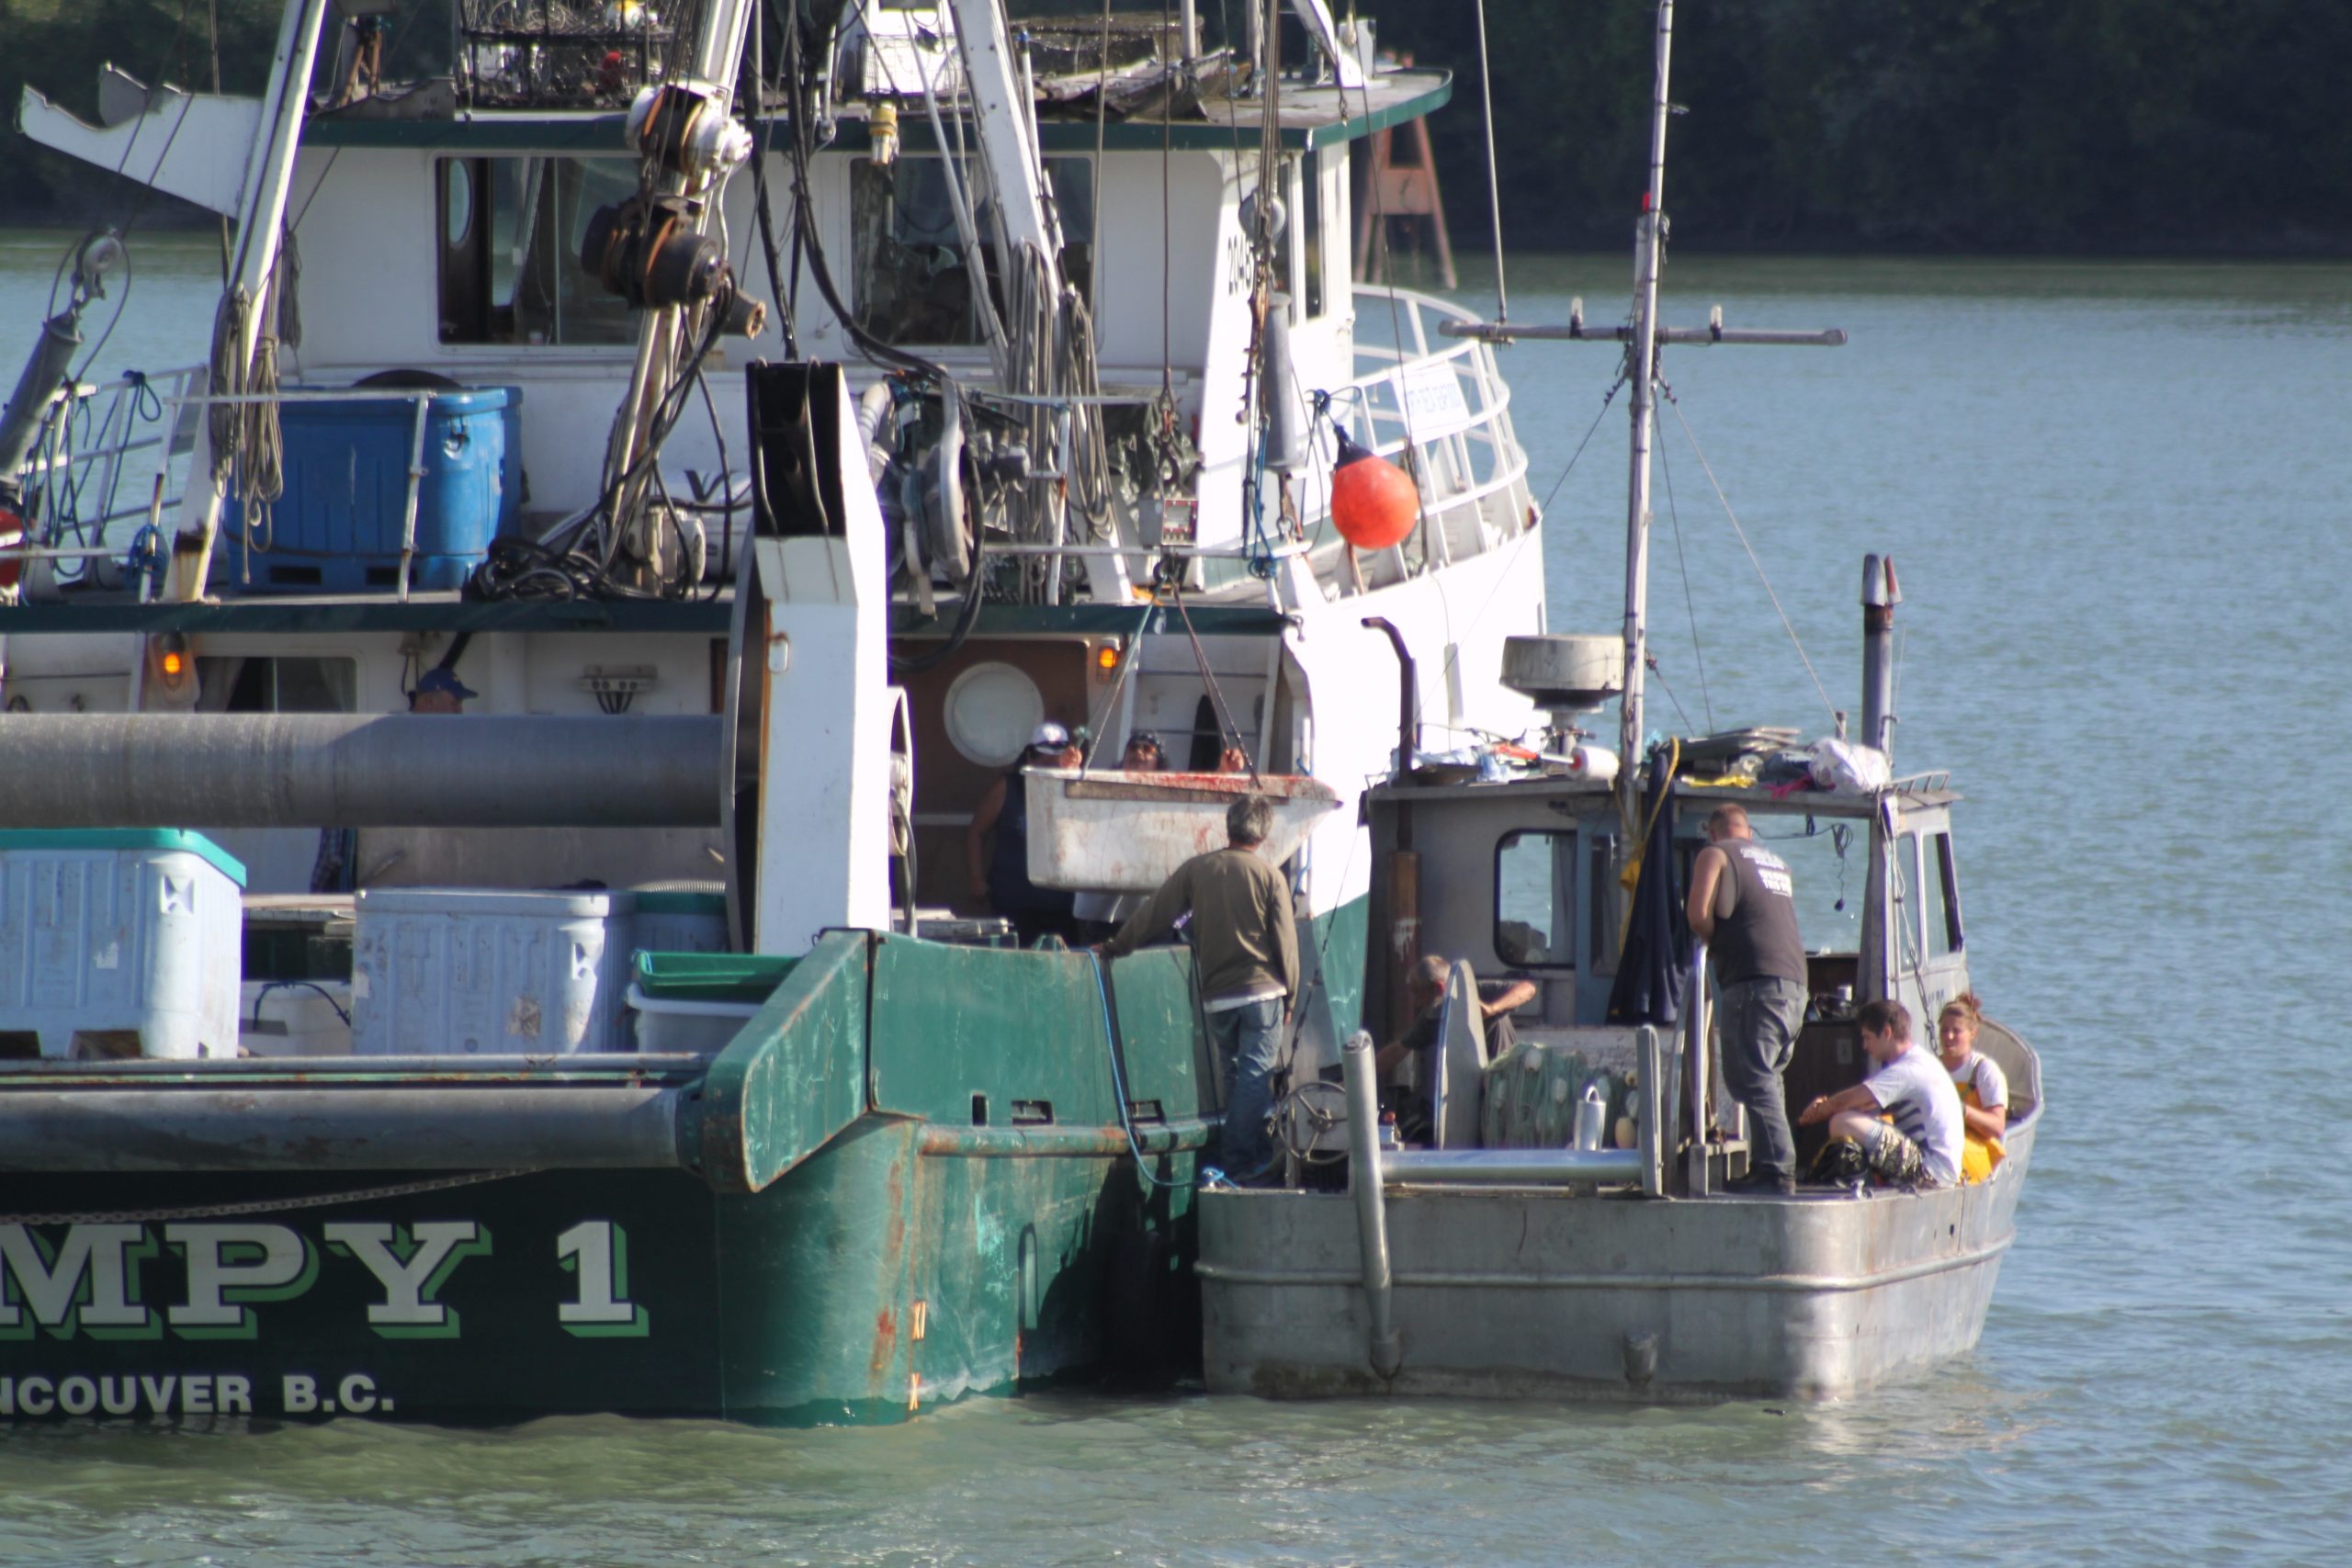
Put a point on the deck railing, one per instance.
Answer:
(101, 451)
(1439, 407)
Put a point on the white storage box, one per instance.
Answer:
(458, 971)
(118, 942)
(666, 1025)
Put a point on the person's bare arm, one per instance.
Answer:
(1520, 993)
(1707, 873)
(1155, 920)
(1986, 1123)
(976, 839)
(1824, 1107)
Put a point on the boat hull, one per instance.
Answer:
(903, 1266)
(1520, 1293)
(910, 1180)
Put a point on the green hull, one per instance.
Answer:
(906, 1182)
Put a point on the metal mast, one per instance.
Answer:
(1647, 234)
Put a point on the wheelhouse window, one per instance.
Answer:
(509, 232)
(288, 685)
(912, 284)
(1314, 215)
(1535, 891)
(1940, 897)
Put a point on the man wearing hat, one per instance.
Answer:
(999, 867)
(1099, 914)
(1245, 962)
(440, 691)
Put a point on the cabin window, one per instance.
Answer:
(1905, 917)
(911, 284)
(510, 233)
(1598, 881)
(1830, 861)
(1939, 897)
(277, 685)
(1313, 217)
(1535, 890)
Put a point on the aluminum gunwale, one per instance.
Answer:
(1790, 1284)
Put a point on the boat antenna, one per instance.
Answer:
(1648, 236)
(1494, 186)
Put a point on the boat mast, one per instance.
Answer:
(1647, 234)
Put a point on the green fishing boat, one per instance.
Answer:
(503, 903)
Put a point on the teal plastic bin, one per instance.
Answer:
(700, 1001)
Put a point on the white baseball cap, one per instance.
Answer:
(1048, 734)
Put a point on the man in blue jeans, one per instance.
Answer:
(1245, 959)
(1743, 905)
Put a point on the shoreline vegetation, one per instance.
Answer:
(2198, 129)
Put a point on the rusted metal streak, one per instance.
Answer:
(1064, 1143)
(1165, 787)
(1441, 1278)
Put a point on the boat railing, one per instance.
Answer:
(74, 457)
(102, 448)
(1440, 407)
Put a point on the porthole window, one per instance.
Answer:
(991, 711)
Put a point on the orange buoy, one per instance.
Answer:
(1373, 502)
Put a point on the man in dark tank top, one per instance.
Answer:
(1743, 905)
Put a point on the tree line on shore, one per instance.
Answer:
(2198, 126)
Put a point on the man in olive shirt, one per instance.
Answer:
(1245, 960)
(1743, 905)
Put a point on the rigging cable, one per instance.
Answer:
(764, 130)
(803, 75)
(1795, 640)
(1119, 1085)
(1230, 730)
(1690, 605)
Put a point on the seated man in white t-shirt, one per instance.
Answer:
(1921, 1148)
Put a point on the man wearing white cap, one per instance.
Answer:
(999, 869)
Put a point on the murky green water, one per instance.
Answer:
(2118, 496)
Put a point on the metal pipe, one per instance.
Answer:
(358, 770)
(1641, 373)
(1698, 1072)
(1577, 332)
(261, 218)
(255, 1127)
(415, 482)
(1880, 596)
(1372, 1206)
(1517, 1167)
(1408, 699)
(1649, 1109)
(613, 1066)
(45, 372)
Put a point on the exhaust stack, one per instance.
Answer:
(1881, 594)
